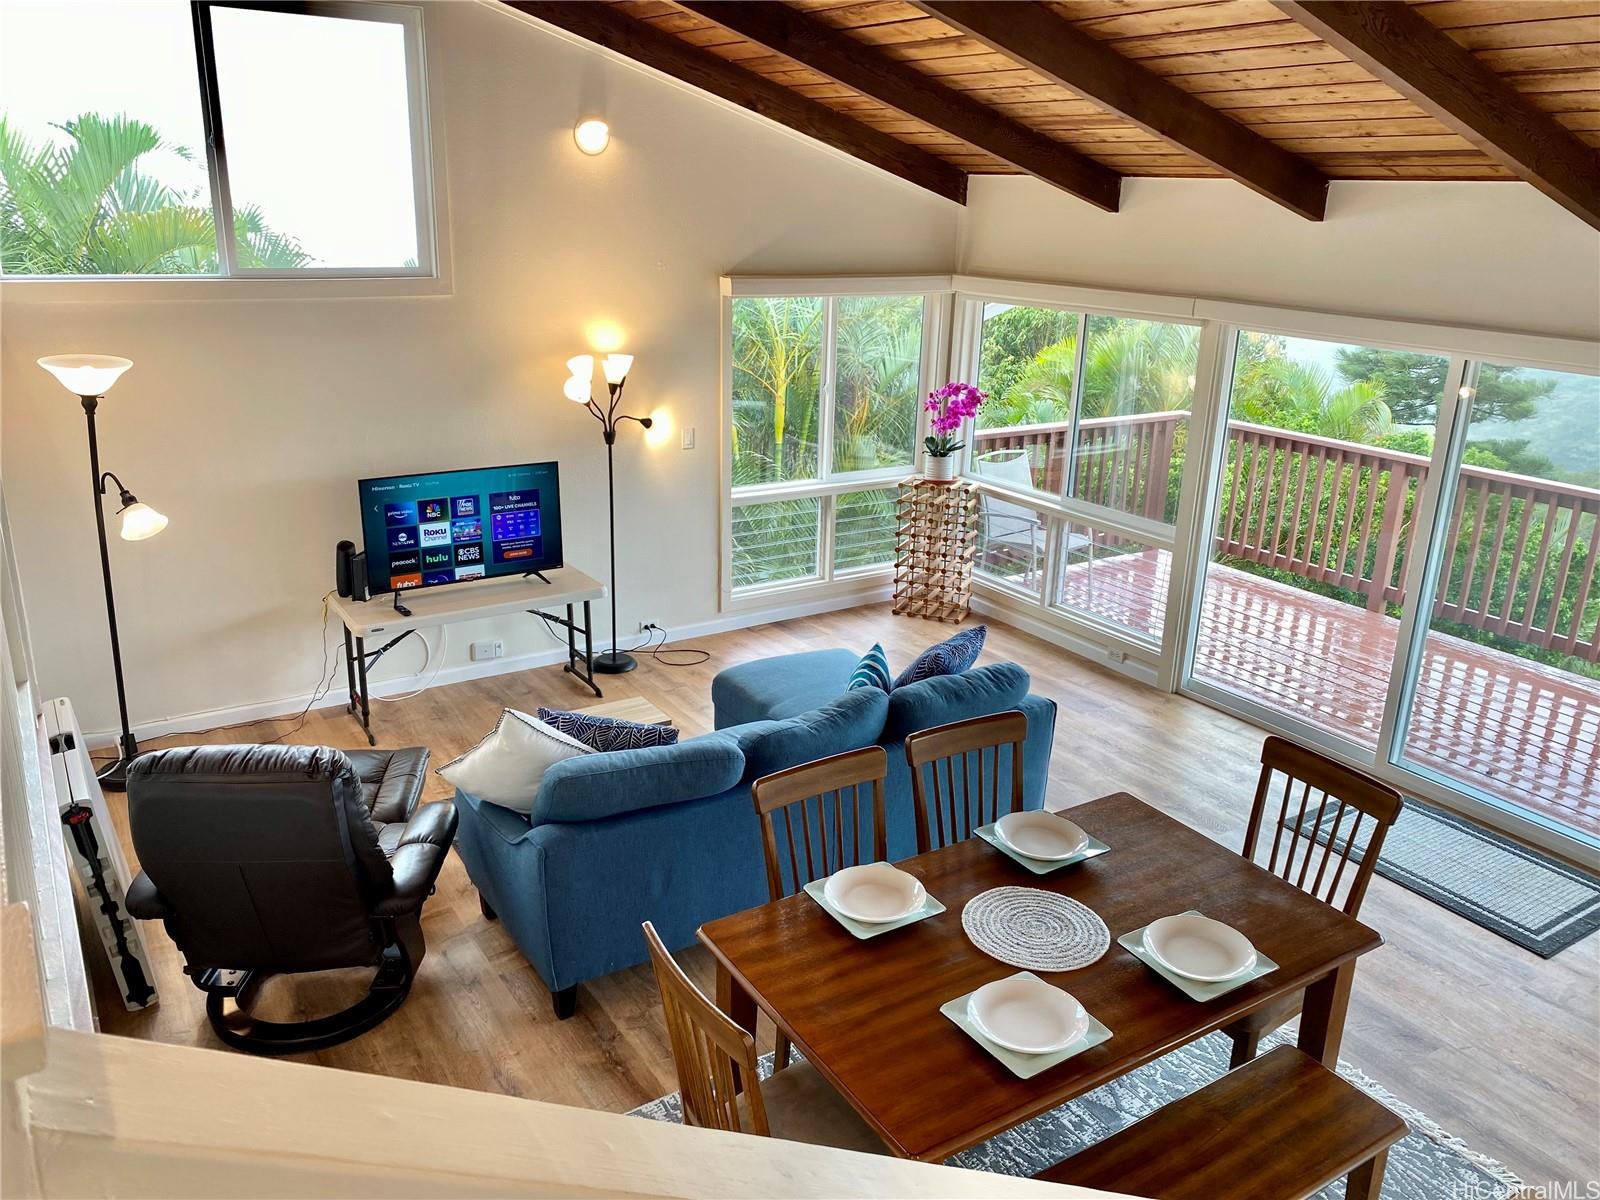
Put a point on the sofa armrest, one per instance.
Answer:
(593, 786)
(418, 858)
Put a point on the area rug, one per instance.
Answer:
(1532, 899)
(1427, 1164)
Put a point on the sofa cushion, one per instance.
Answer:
(773, 689)
(508, 765)
(949, 657)
(853, 720)
(942, 699)
(607, 733)
(872, 671)
(603, 785)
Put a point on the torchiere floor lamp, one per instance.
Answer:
(580, 390)
(89, 377)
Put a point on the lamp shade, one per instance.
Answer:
(140, 521)
(616, 367)
(86, 374)
(578, 389)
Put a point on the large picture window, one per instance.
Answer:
(825, 413)
(213, 139)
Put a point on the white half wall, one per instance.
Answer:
(1495, 255)
(253, 409)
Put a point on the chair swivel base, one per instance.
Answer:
(388, 991)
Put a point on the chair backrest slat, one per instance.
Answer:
(793, 792)
(709, 1050)
(1341, 790)
(932, 754)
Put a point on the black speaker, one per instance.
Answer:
(358, 575)
(341, 566)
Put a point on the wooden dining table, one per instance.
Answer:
(865, 1012)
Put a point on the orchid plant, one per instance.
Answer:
(951, 406)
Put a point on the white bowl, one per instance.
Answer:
(1041, 835)
(1199, 948)
(874, 893)
(1025, 1014)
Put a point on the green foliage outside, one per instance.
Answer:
(1372, 397)
(90, 207)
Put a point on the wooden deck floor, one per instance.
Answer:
(1518, 730)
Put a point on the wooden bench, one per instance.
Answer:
(1279, 1128)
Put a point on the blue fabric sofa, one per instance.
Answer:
(669, 834)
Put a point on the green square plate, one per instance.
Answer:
(1024, 1066)
(1038, 866)
(1133, 943)
(930, 908)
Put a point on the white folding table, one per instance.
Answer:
(562, 587)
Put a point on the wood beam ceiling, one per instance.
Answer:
(1035, 37)
(846, 61)
(605, 26)
(1448, 81)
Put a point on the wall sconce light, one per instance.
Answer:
(592, 136)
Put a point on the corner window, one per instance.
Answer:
(824, 418)
(213, 139)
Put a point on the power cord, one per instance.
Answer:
(659, 651)
(444, 642)
(325, 683)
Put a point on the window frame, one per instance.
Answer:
(829, 484)
(428, 277)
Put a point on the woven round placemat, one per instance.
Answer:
(1035, 929)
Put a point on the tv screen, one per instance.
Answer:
(450, 526)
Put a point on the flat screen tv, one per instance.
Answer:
(452, 526)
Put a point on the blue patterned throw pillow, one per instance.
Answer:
(608, 733)
(872, 671)
(950, 657)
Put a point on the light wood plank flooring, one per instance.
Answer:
(1500, 1047)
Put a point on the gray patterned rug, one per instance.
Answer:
(1427, 1164)
(1527, 897)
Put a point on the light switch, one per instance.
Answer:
(686, 437)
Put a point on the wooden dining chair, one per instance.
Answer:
(713, 1056)
(955, 776)
(1313, 847)
(818, 819)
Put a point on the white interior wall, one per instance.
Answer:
(248, 419)
(1492, 255)
(254, 408)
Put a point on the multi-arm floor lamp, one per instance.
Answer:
(89, 377)
(580, 390)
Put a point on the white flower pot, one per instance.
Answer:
(941, 470)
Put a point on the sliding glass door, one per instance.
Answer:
(1505, 701)
(1441, 631)
(1323, 456)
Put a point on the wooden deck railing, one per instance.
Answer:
(1122, 461)
(1522, 552)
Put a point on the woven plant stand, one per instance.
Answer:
(936, 538)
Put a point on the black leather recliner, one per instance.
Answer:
(266, 860)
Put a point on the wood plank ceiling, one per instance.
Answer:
(1245, 59)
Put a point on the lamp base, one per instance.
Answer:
(113, 776)
(614, 662)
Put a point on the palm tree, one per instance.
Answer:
(88, 208)
(776, 346)
(1288, 394)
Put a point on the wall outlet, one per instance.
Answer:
(487, 650)
(648, 627)
(686, 437)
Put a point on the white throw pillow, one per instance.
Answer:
(507, 766)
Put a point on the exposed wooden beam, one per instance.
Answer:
(1425, 64)
(856, 65)
(1035, 37)
(608, 27)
